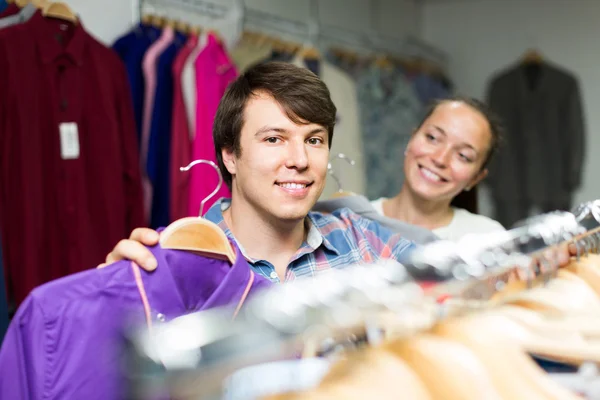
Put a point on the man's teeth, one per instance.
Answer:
(431, 175)
(292, 185)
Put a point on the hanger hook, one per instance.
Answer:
(212, 164)
(339, 156)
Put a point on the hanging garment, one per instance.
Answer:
(3, 298)
(64, 340)
(544, 144)
(23, 15)
(361, 206)
(131, 48)
(181, 145)
(149, 67)
(511, 212)
(347, 138)
(189, 85)
(11, 9)
(389, 112)
(70, 185)
(3, 5)
(246, 54)
(429, 89)
(214, 72)
(159, 146)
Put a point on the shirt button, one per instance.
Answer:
(273, 275)
(160, 317)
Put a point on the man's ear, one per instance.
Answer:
(480, 176)
(229, 160)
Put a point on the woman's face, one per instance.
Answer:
(445, 156)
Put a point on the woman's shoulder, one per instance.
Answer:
(378, 205)
(477, 223)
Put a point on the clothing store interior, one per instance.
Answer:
(308, 199)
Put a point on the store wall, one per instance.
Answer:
(484, 35)
(107, 19)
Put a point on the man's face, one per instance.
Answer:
(282, 167)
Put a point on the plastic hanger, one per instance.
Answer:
(60, 10)
(197, 234)
(340, 192)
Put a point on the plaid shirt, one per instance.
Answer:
(334, 240)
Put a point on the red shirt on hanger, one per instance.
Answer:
(11, 9)
(69, 170)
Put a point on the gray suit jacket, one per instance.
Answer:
(362, 206)
(542, 155)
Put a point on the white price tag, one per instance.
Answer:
(69, 141)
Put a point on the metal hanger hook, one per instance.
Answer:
(216, 168)
(339, 156)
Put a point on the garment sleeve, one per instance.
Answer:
(575, 134)
(23, 354)
(131, 163)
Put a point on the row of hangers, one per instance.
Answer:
(276, 43)
(463, 348)
(473, 349)
(50, 9)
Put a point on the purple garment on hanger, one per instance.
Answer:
(64, 340)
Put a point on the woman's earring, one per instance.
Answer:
(467, 189)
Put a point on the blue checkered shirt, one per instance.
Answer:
(334, 240)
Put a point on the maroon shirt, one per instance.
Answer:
(59, 215)
(11, 9)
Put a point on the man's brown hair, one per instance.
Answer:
(302, 95)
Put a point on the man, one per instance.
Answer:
(272, 135)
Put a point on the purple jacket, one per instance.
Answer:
(62, 343)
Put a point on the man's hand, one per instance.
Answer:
(133, 249)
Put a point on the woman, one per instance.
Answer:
(447, 154)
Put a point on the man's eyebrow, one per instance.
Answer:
(267, 128)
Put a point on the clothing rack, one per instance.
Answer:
(198, 351)
(309, 32)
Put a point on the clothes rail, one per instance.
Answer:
(201, 349)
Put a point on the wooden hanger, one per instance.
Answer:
(309, 52)
(198, 234)
(340, 192)
(146, 19)
(40, 4)
(21, 3)
(449, 370)
(382, 61)
(514, 374)
(59, 10)
(373, 373)
(588, 269)
(532, 56)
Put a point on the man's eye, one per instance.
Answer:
(272, 140)
(315, 141)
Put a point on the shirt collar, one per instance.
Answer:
(315, 238)
(204, 282)
(49, 47)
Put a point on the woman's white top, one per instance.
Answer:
(463, 223)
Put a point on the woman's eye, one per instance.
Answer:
(430, 137)
(465, 158)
